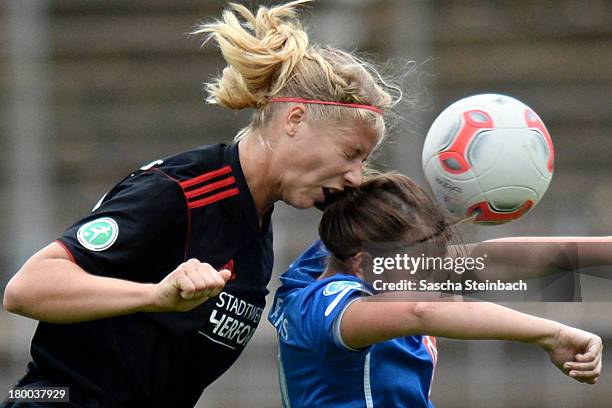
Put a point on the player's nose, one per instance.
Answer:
(353, 177)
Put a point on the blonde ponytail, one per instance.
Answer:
(261, 52)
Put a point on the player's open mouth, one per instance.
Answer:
(328, 192)
(328, 195)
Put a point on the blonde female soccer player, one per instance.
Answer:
(155, 294)
(337, 350)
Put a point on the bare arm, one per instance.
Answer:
(51, 288)
(574, 351)
(517, 258)
(458, 320)
(576, 251)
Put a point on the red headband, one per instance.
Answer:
(346, 105)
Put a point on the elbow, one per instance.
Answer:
(421, 309)
(11, 300)
(25, 292)
(16, 297)
(420, 312)
(415, 317)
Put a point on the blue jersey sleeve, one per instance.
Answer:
(323, 311)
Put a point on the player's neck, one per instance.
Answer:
(254, 163)
(329, 272)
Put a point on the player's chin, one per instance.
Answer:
(301, 201)
(304, 204)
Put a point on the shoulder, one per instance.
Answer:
(327, 297)
(204, 175)
(318, 298)
(201, 163)
(321, 307)
(144, 186)
(183, 176)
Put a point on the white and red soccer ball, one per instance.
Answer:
(489, 157)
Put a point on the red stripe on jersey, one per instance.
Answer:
(230, 267)
(213, 198)
(430, 345)
(210, 187)
(432, 348)
(206, 176)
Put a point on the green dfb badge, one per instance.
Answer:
(99, 234)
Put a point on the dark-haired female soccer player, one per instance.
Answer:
(338, 351)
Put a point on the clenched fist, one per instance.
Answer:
(188, 286)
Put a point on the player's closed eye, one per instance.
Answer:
(354, 155)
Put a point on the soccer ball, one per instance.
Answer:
(488, 157)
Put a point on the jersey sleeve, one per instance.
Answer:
(136, 228)
(324, 311)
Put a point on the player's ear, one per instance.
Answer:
(359, 262)
(296, 115)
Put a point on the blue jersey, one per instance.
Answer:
(316, 369)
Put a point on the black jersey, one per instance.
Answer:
(192, 205)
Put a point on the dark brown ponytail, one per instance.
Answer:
(386, 208)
